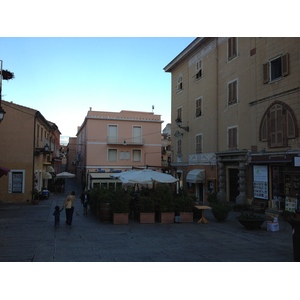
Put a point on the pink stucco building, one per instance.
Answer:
(110, 142)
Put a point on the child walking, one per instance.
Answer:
(56, 215)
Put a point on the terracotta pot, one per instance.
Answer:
(167, 217)
(120, 218)
(186, 217)
(147, 218)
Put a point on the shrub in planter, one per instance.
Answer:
(120, 200)
(120, 206)
(220, 209)
(184, 205)
(250, 220)
(164, 197)
(165, 204)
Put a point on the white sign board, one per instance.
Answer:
(260, 182)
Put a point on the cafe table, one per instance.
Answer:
(202, 208)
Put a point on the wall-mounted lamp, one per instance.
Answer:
(46, 148)
(124, 143)
(179, 124)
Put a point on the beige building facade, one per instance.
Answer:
(30, 149)
(235, 114)
(111, 142)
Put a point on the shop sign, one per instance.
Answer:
(260, 182)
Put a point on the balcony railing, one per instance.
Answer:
(124, 141)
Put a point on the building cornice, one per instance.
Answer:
(182, 55)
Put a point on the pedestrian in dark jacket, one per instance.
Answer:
(56, 215)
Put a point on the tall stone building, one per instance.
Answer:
(235, 116)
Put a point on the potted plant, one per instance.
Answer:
(250, 220)
(219, 209)
(120, 206)
(165, 203)
(184, 205)
(146, 208)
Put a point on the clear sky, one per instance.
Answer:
(63, 77)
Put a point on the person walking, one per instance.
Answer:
(56, 215)
(69, 207)
(85, 200)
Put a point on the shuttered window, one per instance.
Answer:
(276, 68)
(112, 155)
(179, 83)
(112, 133)
(199, 143)
(198, 107)
(232, 47)
(278, 125)
(179, 114)
(232, 92)
(232, 138)
(136, 155)
(179, 149)
(198, 69)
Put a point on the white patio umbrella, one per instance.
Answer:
(146, 176)
(65, 175)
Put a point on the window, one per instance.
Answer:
(199, 143)
(137, 134)
(179, 149)
(276, 68)
(278, 125)
(136, 155)
(112, 155)
(112, 133)
(232, 138)
(179, 114)
(198, 69)
(16, 181)
(232, 48)
(198, 107)
(232, 92)
(179, 83)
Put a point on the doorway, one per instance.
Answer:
(233, 185)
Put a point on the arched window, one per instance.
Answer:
(278, 125)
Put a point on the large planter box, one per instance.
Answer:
(186, 217)
(167, 217)
(105, 212)
(120, 218)
(147, 218)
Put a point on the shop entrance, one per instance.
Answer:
(233, 186)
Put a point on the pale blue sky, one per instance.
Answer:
(63, 77)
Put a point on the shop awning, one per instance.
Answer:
(47, 175)
(50, 169)
(196, 176)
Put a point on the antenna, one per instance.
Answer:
(152, 107)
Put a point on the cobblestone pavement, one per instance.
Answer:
(27, 234)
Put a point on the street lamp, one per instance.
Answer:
(179, 124)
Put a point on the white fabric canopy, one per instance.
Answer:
(65, 175)
(145, 176)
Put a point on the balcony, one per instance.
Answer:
(138, 141)
(42, 146)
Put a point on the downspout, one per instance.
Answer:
(33, 157)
